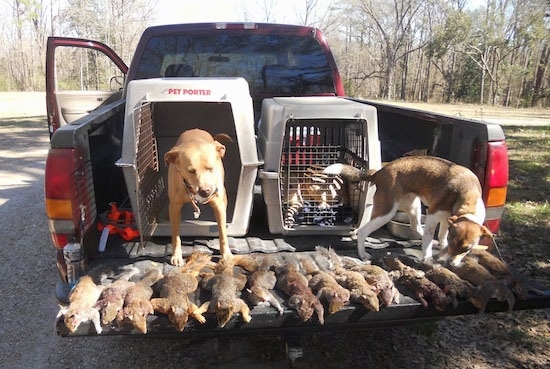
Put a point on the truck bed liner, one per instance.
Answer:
(266, 320)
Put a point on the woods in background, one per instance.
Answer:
(413, 50)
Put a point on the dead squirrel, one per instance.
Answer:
(301, 298)
(487, 285)
(82, 305)
(175, 288)
(450, 283)
(224, 285)
(327, 288)
(137, 304)
(111, 300)
(260, 284)
(360, 290)
(379, 277)
(416, 281)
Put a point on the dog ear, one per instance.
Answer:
(452, 220)
(220, 148)
(486, 232)
(170, 157)
(222, 137)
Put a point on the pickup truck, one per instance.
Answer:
(276, 91)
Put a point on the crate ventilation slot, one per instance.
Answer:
(149, 182)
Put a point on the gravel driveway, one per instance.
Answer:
(28, 275)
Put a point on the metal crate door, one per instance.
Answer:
(150, 188)
(309, 197)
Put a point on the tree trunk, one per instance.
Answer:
(404, 78)
(451, 79)
(426, 96)
(482, 87)
(539, 75)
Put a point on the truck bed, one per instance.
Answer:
(121, 255)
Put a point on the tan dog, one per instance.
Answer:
(196, 175)
(451, 192)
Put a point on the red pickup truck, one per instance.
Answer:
(276, 91)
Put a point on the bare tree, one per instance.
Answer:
(269, 7)
(447, 38)
(118, 23)
(24, 40)
(394, 25)
(309, 13)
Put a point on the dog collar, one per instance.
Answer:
(191, 194)
(471, 218)
(188, 186)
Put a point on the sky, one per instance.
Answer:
(185, 11)
(190, 11)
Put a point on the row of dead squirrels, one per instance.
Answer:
(310, 288)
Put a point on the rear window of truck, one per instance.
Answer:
(273, 65)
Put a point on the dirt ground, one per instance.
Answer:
(516, 340)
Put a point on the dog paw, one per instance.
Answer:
(246, 318)
(363, 254)
(176, 260)
(97, 327)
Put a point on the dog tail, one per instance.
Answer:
(349, 172)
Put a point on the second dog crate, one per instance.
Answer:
(299, 137)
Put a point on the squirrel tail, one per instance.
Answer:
(247, 262)
(331, 255)
(196, 262)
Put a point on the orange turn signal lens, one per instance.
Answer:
(59, 209)
(496, 196)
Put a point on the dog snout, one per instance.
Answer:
(205, 192)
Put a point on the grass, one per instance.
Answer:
(525, 228)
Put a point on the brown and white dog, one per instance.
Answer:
(196, 175)
(451, 192)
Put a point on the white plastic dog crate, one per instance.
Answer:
(299, 137)
(157, 112)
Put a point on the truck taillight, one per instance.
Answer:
(61, 210)
(496, 174)
(494, 180)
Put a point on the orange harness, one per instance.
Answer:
(119, 222)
